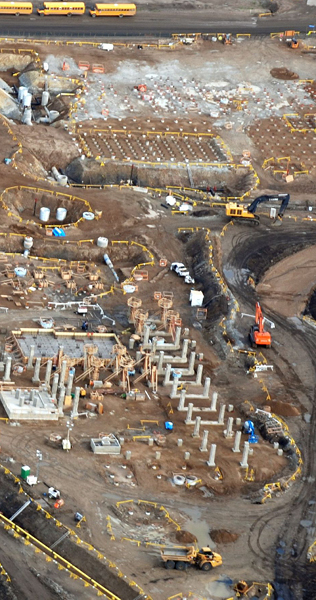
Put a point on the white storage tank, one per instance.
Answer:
(27, 100)
(45, 98)
(44, 214)
(102, 242)
(28, 243)
(21, 92)
(61, 214)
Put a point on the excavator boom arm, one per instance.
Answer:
(266, 198)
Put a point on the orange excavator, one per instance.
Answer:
(257, 335)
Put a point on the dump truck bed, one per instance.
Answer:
(174, 552)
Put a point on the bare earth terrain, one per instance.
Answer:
(203, 124)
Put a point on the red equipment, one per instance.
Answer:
(258, 336)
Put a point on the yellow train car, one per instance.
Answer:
(113, 10)
(16, 8)
(62, 8)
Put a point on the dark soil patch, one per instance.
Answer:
(207, 212)
(223, 536)
(283, 73)
(185, 537)
(43, 529)
(311, 308)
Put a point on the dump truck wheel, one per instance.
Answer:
(206, 567)
(170, 564)
(180, 566)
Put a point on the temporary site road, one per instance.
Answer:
(147, 23)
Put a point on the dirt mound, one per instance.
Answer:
(283, 73)
(185, 537)
(284, 409)
(223, 536)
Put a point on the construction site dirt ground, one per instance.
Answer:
(275, 265)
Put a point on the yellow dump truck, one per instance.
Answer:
(181, 557)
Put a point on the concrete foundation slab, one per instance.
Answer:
(46, 344)
(29, 405)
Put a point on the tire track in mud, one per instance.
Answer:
(256, 254)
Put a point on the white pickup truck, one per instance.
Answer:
(182, 271)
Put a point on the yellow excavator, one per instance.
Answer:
(240, 212)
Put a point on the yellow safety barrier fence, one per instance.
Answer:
(78, 540)
(36, 190)
(52, 555)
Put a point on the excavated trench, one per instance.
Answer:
(26, 204)
(91, 172)
(260, 251)
(122, 255)
(197, 251)
(311, 307)
(43, 529)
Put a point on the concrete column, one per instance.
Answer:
(70, 381)
(61, 399)
(48, 372)
(203, 447)
(244, 461)
(236, 447)
(180, 443)
(154, 345)
(76, 403)
(200, 356)
(221, 414)
(196, 432)
(31, 356)
(211, 458)
(229, 430)
(21, 403)
(193, 344)
(128, 454)
(139, 355)
(191, 362)
(146, 335)
(131, 343)
(207, 385)
(185, 349)
(187, 456)
(188, 419)
(160, 361)
(173, 392)
(36, 377)
(214, 401)
(199, 373)
(167, 375)
(182, 400)
(62, 373)
(177, 336)
(55, 385)
(33, 397)
(17, 394)
(7, 371)
(186, 332)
